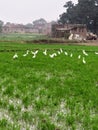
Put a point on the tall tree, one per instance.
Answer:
(29, 25)
(1, 24)
(39, 24)
(40, 21)
(85, 12)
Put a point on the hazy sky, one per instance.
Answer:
(26, 11)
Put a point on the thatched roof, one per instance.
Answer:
(70, 27)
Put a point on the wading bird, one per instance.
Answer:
(85, 53)
(61, 50)
(55, 54)
(96, 53)
(15, 56)
(84, 62)
(34, 53)
(79, 56)
(26, 53)
(34, 56)
(45, 52)
(52, 55)
(66, 53)
(71, 55)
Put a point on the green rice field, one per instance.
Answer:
(20, 37)
(48, 93)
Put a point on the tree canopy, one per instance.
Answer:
(84, 12)
(1, 24)
(40, 21)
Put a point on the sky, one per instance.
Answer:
(26, 11)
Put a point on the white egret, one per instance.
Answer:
(34, 56)
(51, 55)
(45, 52)
(27, 52)
(85, 53)
(34, 53)
(96, 53)
(15, 56)
(24, 55)
(84, 62)
(79, 56)
(71, 55)
(55, 54)
(66, 53)
(61, 50)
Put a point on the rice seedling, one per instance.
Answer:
(46, 93)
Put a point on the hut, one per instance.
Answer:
(60, 30)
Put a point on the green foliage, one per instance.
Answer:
(26, 116)
(3, 122)
(70, 120)
(85, 12)
(40, 21)
(48, 93)
(21, 37)
(46, 125)
(1, 24)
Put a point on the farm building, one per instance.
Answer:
(16, 28)
(20, 28)
(59, 30)
(43, 28)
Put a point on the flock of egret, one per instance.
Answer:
(60, 51)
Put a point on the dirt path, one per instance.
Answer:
(89, 43)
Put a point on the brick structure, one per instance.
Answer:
(16, 28)
(20, 28)
(60, 30)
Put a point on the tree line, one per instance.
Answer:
(84, 12)
(42, 22)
